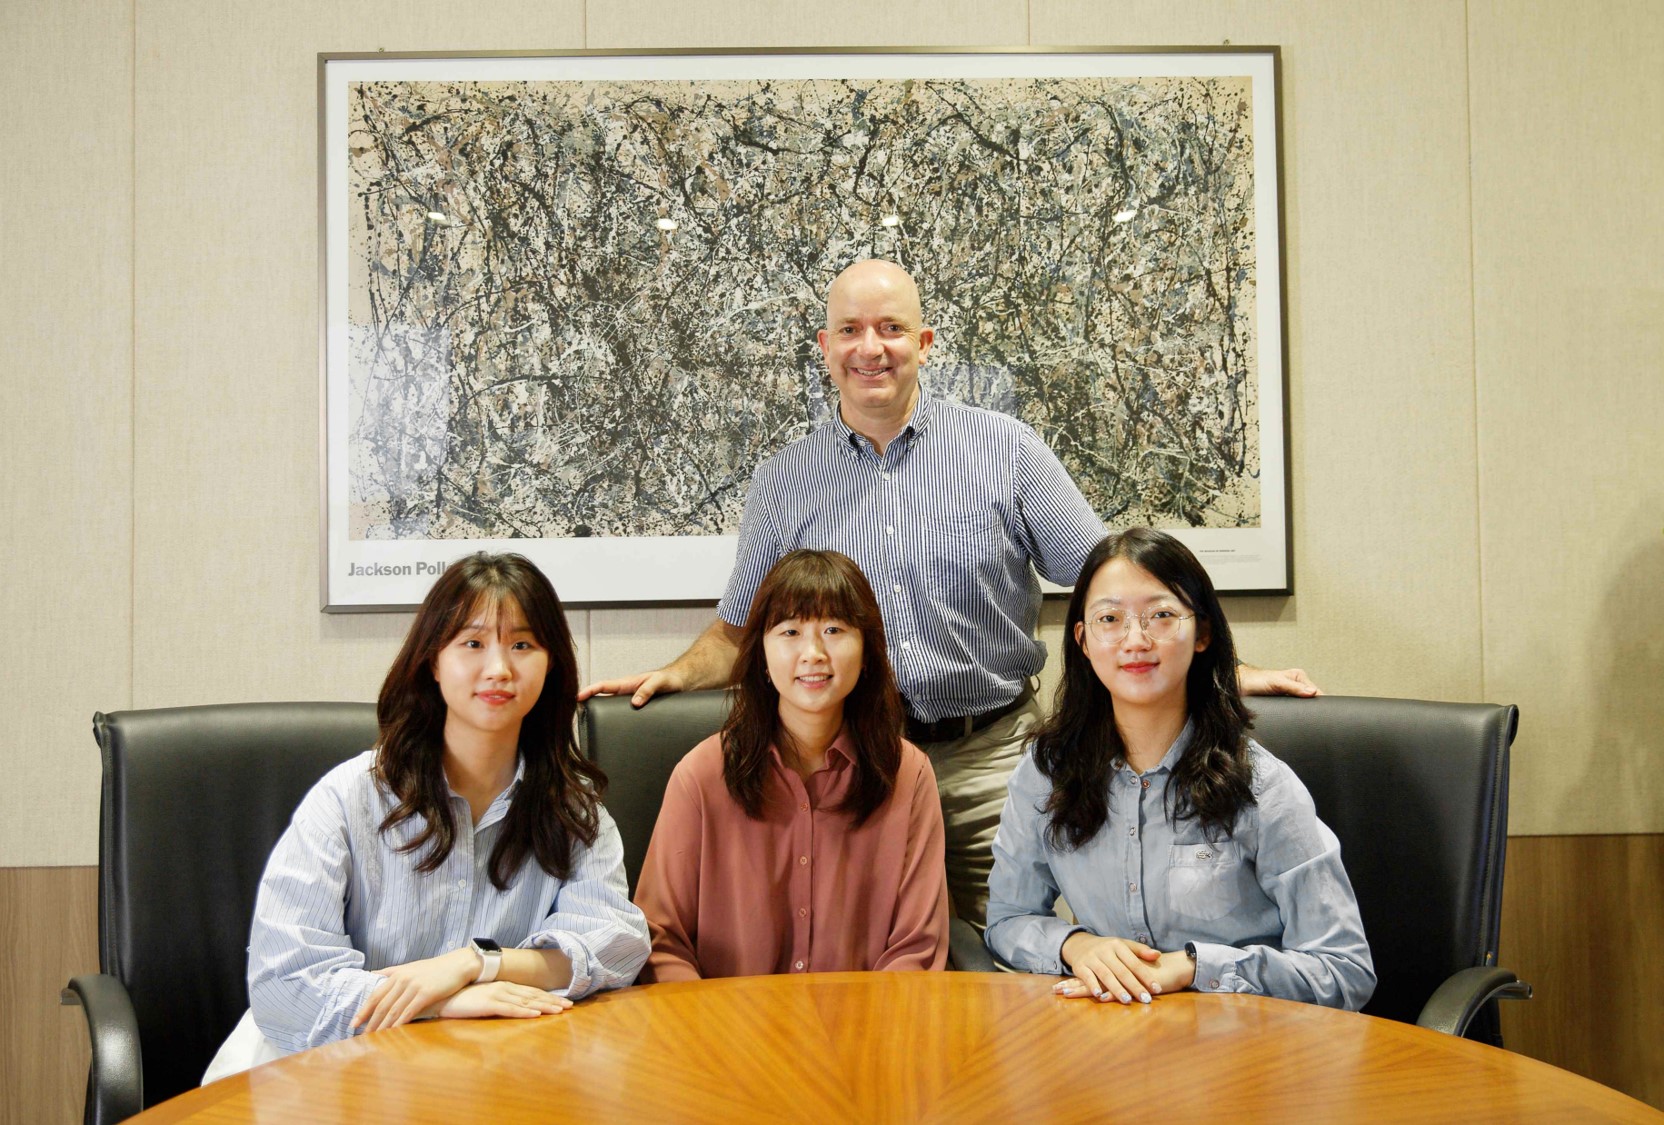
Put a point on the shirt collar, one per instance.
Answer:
(841, 748)
(1174, 752)
(499, 804)
(918, 423)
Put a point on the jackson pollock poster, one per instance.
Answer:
(570, 301)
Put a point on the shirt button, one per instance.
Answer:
(1132, 887)
(896, 587)
(803, 912)
(1132, 832)
(1146, 783)
(802, 859)
(889, 531)
(798, 966)
(1213, 984)
(1143, 937)
(886, 476)
(905, 645)
(803, 808)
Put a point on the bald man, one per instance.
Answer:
(949, 510)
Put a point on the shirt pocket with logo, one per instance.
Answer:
(1204, 881)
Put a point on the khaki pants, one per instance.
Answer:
(971, 776)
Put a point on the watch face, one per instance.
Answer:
(486, 945)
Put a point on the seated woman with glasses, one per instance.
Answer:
(1190, 857)
(807, 835)
(464, 867)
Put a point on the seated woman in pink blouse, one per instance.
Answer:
(807, 835)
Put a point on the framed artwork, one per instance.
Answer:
(570, 300)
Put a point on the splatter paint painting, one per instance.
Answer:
(576, 312)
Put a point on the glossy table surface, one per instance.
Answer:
(905, 1047)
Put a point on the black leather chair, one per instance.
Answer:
(639, 747)
(1417, 792)
(193, 800)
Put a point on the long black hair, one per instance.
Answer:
(559, 791)
(817, 584)
(1078, 746)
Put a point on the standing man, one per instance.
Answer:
(948, 510)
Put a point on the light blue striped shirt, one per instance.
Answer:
(337, 901)
(948, 525)
(1270, 909)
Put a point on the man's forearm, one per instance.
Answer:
(709, 661)
(1266, 681)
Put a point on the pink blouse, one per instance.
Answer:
(802, 889)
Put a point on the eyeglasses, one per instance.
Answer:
(1111, 626)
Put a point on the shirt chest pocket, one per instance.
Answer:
(961, 523)
(1204, 881)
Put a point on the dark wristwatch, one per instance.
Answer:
(1190, 951)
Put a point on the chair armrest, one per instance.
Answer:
(966, 953)
(115, 1081)
(1454, 1004)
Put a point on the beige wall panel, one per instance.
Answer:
(1380, 343)
(792, 23)
(1569, 305)
(625, 641)
(226, 422)
(66, 315)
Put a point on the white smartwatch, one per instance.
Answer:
(491, 958)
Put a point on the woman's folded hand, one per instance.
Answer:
(415, 987)
(503, 999)
(1110, 968)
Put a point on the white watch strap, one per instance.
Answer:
(491, 962)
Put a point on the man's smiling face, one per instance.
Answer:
(874, 343)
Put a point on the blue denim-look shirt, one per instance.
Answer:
(1270, 909)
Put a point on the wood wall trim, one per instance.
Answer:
(1583, 922)
(49, 930)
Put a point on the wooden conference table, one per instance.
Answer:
(905, 1047)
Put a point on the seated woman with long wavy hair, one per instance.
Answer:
(807, 835)
(1190, 856)
(462, 868)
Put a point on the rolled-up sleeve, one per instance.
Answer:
(593, 920)
(305, 979)
(1324, 957)
(1023, 927)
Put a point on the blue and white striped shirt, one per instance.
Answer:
(338, 900)
(948, 525)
